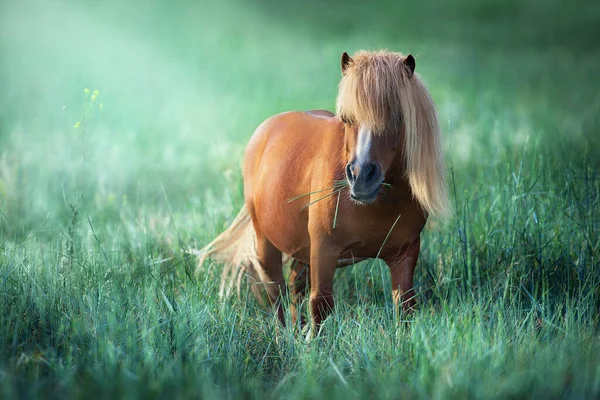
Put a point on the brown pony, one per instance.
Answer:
(329, 190)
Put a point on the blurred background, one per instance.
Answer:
(152, 102)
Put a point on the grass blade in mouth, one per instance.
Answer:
(336, 186)
(309, 193)
(321, 198)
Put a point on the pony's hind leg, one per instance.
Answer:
(299, 276)
(271, 273)
(255, 283)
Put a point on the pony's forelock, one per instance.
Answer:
(368, 90)
(379, 91)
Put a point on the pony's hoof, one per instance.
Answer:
(308, 333)
(310, 336)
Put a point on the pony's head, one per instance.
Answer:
(391, 129)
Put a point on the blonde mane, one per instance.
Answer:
(378, 90)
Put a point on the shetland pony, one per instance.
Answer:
(328, 190)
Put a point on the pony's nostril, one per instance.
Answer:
(349, 173)
(371, 169)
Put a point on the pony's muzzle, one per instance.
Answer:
(365, 181)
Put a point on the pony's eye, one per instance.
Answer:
(346, 120)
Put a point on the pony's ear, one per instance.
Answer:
(409, 63)
(346, 60)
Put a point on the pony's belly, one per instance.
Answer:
(302, 255)
(289, 239)
(360, 253)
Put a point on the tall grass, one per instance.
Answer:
(98, 204)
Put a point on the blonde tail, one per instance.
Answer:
(236, 249)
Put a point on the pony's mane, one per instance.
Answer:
(379, 91)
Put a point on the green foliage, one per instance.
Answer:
(101, 193)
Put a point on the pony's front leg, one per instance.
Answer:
(402, 270)
(323, 261)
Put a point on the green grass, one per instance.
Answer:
(98, 204)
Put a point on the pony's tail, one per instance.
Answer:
(235, 248)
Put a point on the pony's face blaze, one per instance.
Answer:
(369, 157)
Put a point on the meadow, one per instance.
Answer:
(122, 129)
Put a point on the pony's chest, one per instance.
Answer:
(376, 245)
(383, 234)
